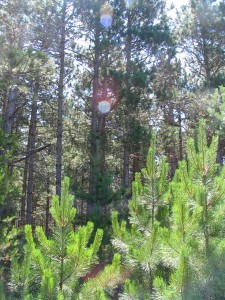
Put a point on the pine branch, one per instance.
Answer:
(32, 151)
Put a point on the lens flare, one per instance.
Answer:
(104, 107)
(106, 94)
(106, 20)
(129, 3)
(106, 13)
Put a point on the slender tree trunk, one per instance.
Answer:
(220, 149)
(170, 148)
(102, 119)
(92, 187)
(9, 112)
(136, 165)
(25, 177)
(94, 141)
(126, 167)
(126, 170)
(30, 182)
(82, 211)
(103, 140)
(8, 119)
(47, 214)
(221, 141)
(4, 106)
(180, 136)
(60, 102)
(206, 56)
(24, 191)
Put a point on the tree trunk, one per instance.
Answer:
(102, 120)
(47, 214)
(180, 136)
(94, 138)
(170, 147)
(9, 113)
(3, 107)
(24, 191)
(206, 56)
(102, 140)
(126, 170)
(33, 127)
(136, 165)
(60, 102)
(8, 120)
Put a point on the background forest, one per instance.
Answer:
(112, 150)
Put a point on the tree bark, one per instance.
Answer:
(47, 214)
(205, 52)
(24, 191)
(94, 142)
(180, 136)
(126, 170)
(10, 107)
(126, 166)
(60, 102)
(30, 182)
(94, 137)
(103, 140)
(136, 165)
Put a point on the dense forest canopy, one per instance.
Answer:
(112, 150)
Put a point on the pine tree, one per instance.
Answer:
(216, 111)
(138, 242)
(2, 294)
(193, 244)
(53, 268)
(201, 35)
(174, 246)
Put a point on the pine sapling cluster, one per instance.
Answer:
(53, 267)
(138, 242)
(174, 244)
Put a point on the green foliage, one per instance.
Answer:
(93, 288)
(52, 268)
(196, 230)
(22, 275)
(8, 148)
(216, 111)
(202, 23)
(177, 254)
(139, 245)
(11, 242)
(133, 290)
(9, 189)
(2, 294)
(102, 180)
